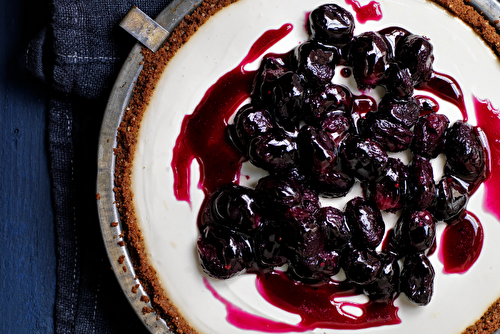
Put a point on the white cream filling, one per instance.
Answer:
(169, 226)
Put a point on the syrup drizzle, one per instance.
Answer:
(324, 306)
(244, 320)
(371, 11)
(488, 120)
(318, 306)
(203, 134)
(447, 88)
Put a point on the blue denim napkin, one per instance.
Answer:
(78, 55)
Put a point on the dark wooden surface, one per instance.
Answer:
(27, 248)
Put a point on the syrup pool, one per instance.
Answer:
(371, 11)
(461, 244)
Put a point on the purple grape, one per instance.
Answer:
(417, 279)
(392, 35)
(386, 285)
(420, 183)
(451, 199)
(322, 102)
(288, 97)
(365, 223)
(369, 58)
(428, 135)
(276, 195)
(361, 266)
(317, 151)
(331, 24)
(465, 154)
(392, 136)
(222, 253)
(332, 184)
(271, 244)
(271, 68)
(415, 231)
(316, 269)
(405, 111)
(250, 122)
(275, 152)
(398, 82)
(316, 62)
(337, 126)
(332, 220)
(233, 206)
(365, 158)
(416, 53)
(389, 192)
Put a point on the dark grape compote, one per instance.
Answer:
(317, 139)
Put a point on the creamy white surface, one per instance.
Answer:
(169, 226)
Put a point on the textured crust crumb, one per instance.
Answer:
(488, 323)
(153, 66)
(475, 20)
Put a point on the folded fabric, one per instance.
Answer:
(78, 55)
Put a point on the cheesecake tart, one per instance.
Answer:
(160, 189)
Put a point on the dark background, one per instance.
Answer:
(27, 240)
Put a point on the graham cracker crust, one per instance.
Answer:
(153, 66)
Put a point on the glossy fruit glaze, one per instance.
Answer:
(221, 164)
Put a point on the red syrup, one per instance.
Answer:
(447, 88)
(461, 244)
(488, 120)
(427, 104)
(244, 320)
(321, 306)
(203, 133)
(367, 12)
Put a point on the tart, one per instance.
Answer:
(159, 216)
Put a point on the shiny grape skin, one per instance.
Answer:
(392, 136)
(415, 231)
(275, 152)
(331, 24)
(223, 253)
(386, 287)
(361, 266)
(271, 244)
(451, 199)
(465, 154)
(315, 62)
(416, 53)
(417, 279)
(250, 122)
(234, 207)
(365, 223)
(420, 184)
(365, 158)
(389, 193)
(369, 59)
(429, 135)
(334, 226)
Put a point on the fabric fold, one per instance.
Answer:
(78, 55)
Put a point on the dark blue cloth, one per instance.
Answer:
(78, 56)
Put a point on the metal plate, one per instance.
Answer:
(169, 18)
